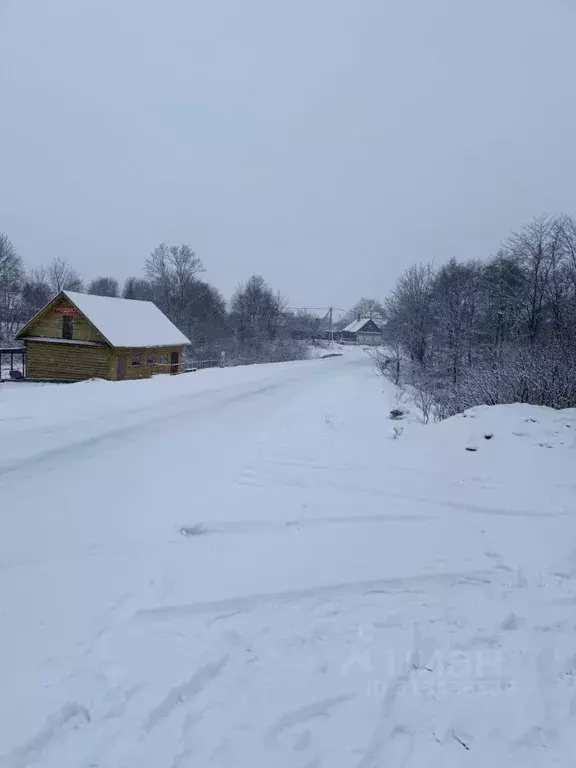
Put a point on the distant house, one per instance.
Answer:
(363, 331)
(79, 336)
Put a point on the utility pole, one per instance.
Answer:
(331, 333)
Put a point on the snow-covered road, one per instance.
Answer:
(243, 568)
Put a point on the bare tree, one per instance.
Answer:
(365, 308)
(501, 287)
(499, 332)
(567, 226)
(157, 270)
(205, 321)
(535, 247)
(11, 278)
(61, 276)
(568, 229)
(258, 319)
(36, 292)
(303, 324)
(425, 402)
(171, 271)
(388, 358)
(410, 311)
(137, 288)
(10, 261)
(185, 268)
(455, 301)
(104, 286)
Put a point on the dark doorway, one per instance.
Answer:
(121, 369)
(174, 362)
(67, 327)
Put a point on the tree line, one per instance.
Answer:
(486, 332)
(256, 325)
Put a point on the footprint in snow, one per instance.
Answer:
(511, 622)
(303, 741)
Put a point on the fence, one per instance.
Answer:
(198, 365)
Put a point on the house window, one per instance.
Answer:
(151, 359)
(164, 359)
(136, 361)
(67, 326)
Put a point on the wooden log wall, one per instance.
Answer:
(66, 362)
(146, 368)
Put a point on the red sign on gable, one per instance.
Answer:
(67, 311)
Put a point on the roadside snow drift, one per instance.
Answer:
(246, 568)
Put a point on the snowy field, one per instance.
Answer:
(243, 568)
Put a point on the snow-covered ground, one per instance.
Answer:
(242, 567)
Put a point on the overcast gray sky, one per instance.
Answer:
(326, 144)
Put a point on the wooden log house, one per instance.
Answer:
(363, 331)
(78, 336)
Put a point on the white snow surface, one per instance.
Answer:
(243, 567)
(127, 322)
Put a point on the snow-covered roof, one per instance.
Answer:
(357, 325)
(128, 322)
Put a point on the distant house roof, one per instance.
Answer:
(358, 325)
(125, 322)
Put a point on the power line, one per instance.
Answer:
(318, 309)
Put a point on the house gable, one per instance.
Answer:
(362, 325)
(49, 323)
(369, 327)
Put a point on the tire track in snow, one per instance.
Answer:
(82, 447)
(385, 727)
(104, 434)
(69, 717)
(316, 762)
(301, 715)
(249, 602)
(182, 759)
(261, 480)
(252, 526)
(184, 692)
